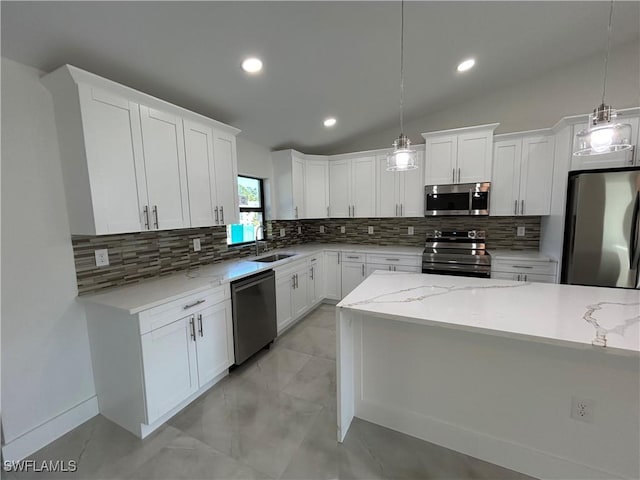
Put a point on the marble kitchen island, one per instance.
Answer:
(495, 369)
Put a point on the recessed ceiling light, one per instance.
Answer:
(252, 65)
(329, 122)
(466, 65)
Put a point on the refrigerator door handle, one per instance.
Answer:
(634, 251)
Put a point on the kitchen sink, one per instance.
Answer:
(274, 258)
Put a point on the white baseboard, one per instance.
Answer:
(514, 456)
(42, 435)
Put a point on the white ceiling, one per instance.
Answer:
(321, 58)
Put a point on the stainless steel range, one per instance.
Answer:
(456, 253)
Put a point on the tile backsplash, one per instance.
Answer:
(137, 256)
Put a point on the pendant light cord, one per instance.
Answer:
(401, 65)
(606, 58)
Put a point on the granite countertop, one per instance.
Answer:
(567, 315)
(520, 255)
(153, 292)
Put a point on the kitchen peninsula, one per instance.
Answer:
(497, 369)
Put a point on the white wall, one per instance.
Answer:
(255, 161)
(537, 103)
(46, 364)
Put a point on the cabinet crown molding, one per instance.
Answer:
(541, 132)
(61, 76)
(457, 131)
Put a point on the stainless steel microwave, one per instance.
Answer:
(458, 199)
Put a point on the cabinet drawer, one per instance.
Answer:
(290, 268)
(352, 257)
(162, 315)
(390, 259)
(524, 266)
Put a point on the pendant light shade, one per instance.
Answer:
(402, 157)
(604, 135)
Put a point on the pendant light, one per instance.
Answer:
(403, 157)
(603, 135)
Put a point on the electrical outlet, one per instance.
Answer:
(102, 257)
(370, 230)
(343, 229)
(520, 231)
(409, 230)
(196, 245)
(283, 232)
(582, 409)
(299, 230)
(321, 228)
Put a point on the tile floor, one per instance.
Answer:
(274, 417)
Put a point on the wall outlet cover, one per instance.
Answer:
(102, 257)
(321, 228)
(409, 230)
(582, 409)
(370, 230)
(343, 229)
(520, 231)
(299, 230)
(196, 245)
(283, 232)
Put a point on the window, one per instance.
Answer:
(251, 201)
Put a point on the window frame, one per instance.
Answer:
(261, 209)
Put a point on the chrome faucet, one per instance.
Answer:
(258, 228)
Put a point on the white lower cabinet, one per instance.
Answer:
(149, 365)
(296, 291)
(315, 280)
(353, 273)
(332, 276)
(284, 294)
(523, 269)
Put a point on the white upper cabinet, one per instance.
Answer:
(164, 161)
(352, 187)
(462, 155)
(226, 203)
(626, 158)
(301, 185)
(400, 194)
(522, 175)
(125, 157)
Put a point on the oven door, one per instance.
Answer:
(460, 199)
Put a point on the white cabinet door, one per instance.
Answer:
(299, 294)
(363, 187)
(372, 267)
(505, 184)
(536, 175)
(339, 184)
(440, 159)
(352, 275)
(316, 189)
(474, 157)
(411, 189)
(314, 283)
(607, 160)
(387, 203)
(198, 149)
(113, 144)
(297, 177)
(407, 268)
(332, 276)
(284, 289)
(164, 161)
(169, 362)
(226, 175)
(213, 330)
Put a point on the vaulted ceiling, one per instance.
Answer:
(320, 58)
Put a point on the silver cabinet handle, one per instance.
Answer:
(191, 305)
(519, 277)
(297, 285)
(392, 259)
(363, 269)
(396, 209)
(296, 212)
(155, 212)
(216, 210)
(394, 267)
(401, 210)
(515, 207)
(339, 258)
(458, 174)
(522, 266)
(327, 212)
(293, 282)
(221, 214)
(311, 272)
(145, 210)
(389, 268)
(525, 277)
(352, 257)
(453, 175)
(522, 207)
(200, 330)
(193, 328)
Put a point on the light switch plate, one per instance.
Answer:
(520, 232)
(343, 229)
(283, 232)
(196, 245)
(102, 257)
(409, 230)
(370, 230)
(321, 228)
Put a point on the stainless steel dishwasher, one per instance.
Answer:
(253, 302)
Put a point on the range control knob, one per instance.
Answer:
(472, 234)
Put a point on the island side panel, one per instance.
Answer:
(506, 401)
(345, 368)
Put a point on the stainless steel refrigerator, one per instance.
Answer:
(602, 230)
